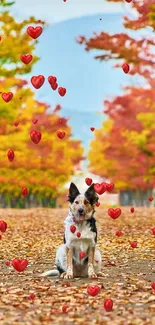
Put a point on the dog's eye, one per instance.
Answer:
(77, 202)
(86, 202)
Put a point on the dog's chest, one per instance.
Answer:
(82, 238)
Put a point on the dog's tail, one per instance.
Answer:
(50, 273)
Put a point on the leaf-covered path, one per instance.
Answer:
(35, 234)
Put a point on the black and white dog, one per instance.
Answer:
(78, 256)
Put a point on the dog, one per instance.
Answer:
(78, 256)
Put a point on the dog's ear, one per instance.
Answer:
(73, 192)
(91, 195)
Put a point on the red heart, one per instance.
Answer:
(55, 86)
(7, 96)
(153, 285)
(24, 191)
(92, 129)
(72, 229)
(7, 263)
(35, 136)
(31, 296)
(118, 233)
(88, 181)
(100, 188)
(133, 244)
(128, 1)
(26, 58)
(108, 304)
(126, 67)
(16, 123)
(19, 265)
(109, 187)
(52, 80)
(78, 234)
(114, 213)
(132, 209)
(34, 32)
(34, 121)
(150, 198)
(82, 255)
(64, 308)
(61, 135)
(62, 91)
(93, 290)
(37, 81)
(11, 155)
(97, 204)
(3, 226)
(153, 231)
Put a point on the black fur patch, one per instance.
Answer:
(91, 195)
(92, 223)
(73, 193)
(64, 239)
(60, 269)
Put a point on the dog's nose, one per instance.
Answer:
(80, 210)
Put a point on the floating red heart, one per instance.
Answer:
(32, 296)
(100, 188)
(61, 134)
(88, 181)
(153, 231)
(11, 155)
(19, 265)
(64, 308)
(126, 67)
(37, 81)
(128, 1)
(132, 209)
(109, 187)
(133, 244)
(34, 32)
(34, 121)
(24, 191)
(119, 233)
(7, 263)
(52, 80)
(93, 290)
(26, 58)
(82, 255)
(97, 204)
(108, 304)
(92, 129)
(150, 198)
(78, 234)
(16, 123)
(72, 229)
(62, 91)
(35, 136)
(3, 226)
(55, 86)
(153, 285)
(7, 96)
(114, 213)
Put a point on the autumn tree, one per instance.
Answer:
(43, 168)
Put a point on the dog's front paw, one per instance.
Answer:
(91, 273)
(68, 275)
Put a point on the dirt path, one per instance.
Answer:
(35, 234)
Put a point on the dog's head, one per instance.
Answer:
(82, 206)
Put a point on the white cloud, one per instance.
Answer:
(55, 11)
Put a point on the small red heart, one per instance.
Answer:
(96, 261)
(108, 304)
(78, 234)
(52, 80)
(92, 129)
(128, 1)
(153, 285)
(72, 229)
(97, 204)
(126, 67)
(3, 226)
(7, 263)
(82, 255)
(16, 123)
(26, 58)
(34, 121)
(119, 233)
(61, 134)
(32, 296)
(133, 244)
(37, 81)
(64, 308)
(100, 188)
(150, 198)
(34, 32)
(62, 91)
(153, 231)
(7, 96)
(109, 187)
(35, 136)
(11, 155)
(114, 213)
(88, 181)
(19, 265)
(55, 86)
(132, 209)
(24, 191)
(93, 290)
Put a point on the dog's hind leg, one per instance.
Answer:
(61, 259)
